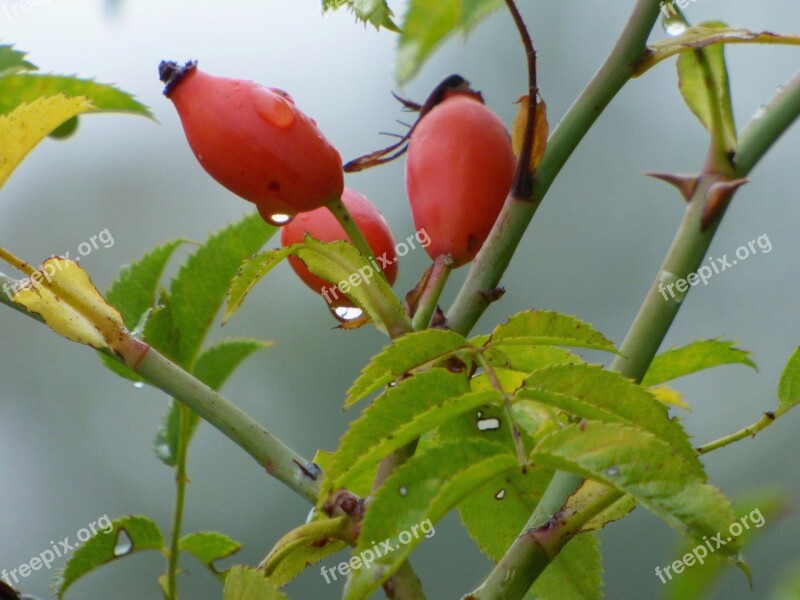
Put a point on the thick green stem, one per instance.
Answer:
(180, 499)
(495, 255)
(439, 273)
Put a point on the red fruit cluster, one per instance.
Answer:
(255, 141)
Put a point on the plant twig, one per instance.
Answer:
(765, 421)
(181, 480)
(442, 267)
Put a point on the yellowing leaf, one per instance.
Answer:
(64, 296)
(666, 395)
(29, 124)
(539, 135)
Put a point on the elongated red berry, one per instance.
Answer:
(322, 225)
(459, 170)
(254, 141)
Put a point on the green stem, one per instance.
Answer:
(495, 255)
(440, 271)
(351, 228)
(180, 498)
(765, 421)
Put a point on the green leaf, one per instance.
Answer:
(709, 100)
(593, 393)
(13, 61)
(575, 574)
(589, 493)
(526, 359)
(401, 415)
(65, 130)
(407, 353)
(341, 261)
(637, 463)
(788, 586)
(375, 12)
(304, 546)
(243, 583)
(213, 368)
(418, 494)
(26, 88)
(789, 386)
(539, 327)
(209, 547)
(703, 568)
(133, 293)
(251, 271)
(699, 355)
(200, 287)
(129, 535)
(427, 24)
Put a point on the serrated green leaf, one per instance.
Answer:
(133, 293)
(200, 287)
(540, 327)
(789, 386)
(209, 547)
(407, 353)
(129, 535)
(251, 271)
(418, 494)
(590, 493)
(243, 583)
(696, 579)
(304, 546)
(708, 100)
(213, 367)
(28, 124)
(401, 415)
(638, 463)
(375, 12)
(13, 61)
(360, 486)
(593, 393)
(26, 88)
(575, 574)
(341, 261)
(525, 359)
(694, 357)
(427, 24)
(65, 130)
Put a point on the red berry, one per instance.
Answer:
(459, 170)
(255, 141)
(322, 225)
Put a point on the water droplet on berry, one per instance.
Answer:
(347, 313)
(273, 108)
(278, 219)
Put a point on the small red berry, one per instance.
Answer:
(322, 225)
(254, 141)
(459, 170)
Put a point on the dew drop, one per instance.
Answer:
(500, 495)
(760, 113)
(673, 27)
(403, 490)
(138, 385)
(278, 219)
(668, 290)
(123, 544)
(347, 313)
(488, 424)
(612, 471)
(273, 108)
(392, 384)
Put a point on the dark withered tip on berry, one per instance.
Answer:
(171, 73)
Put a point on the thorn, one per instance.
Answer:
(717, 198)
(686, 184)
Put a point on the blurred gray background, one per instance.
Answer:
(76, 442)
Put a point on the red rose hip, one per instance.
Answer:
(254, 141)
(322, 225)
(459, 169)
